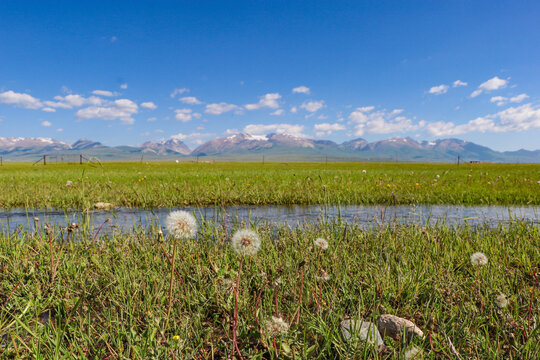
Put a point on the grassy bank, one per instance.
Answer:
(109, 298)
(171, 184)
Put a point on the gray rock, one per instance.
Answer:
(363, 330)
(394, 327)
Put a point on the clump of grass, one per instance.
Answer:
(110, 298)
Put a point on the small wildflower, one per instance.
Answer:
(323, 276)
(438, 176)
(176, 337)
(181, 224)
(177, 161)
(321, 243)
(417, 184)
(277, 282)
(479, 259)
(501, 301)
(277, 326)
(489, 182)
(69, 183)
(246, 242)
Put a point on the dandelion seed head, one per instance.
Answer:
(478, 259)
(277, 326)
(501, 301)
(323, 276)
(364, 171)
(181, 224)
(246, 242)
(321, 243)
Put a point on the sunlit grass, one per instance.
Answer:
(109, 298)
(170, 184)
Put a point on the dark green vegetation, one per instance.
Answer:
(108, 298)
(171, 184)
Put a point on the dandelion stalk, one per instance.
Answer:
(171, 286)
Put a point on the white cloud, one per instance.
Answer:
(59, 129)
(458, 83)
(185, 115)
(149, 105)
(327, 129)
(196, 137)
(514, 119)
(294, 109)
(192, 100)
(260, 129)
(121, 109)
(124, 86)
(220, 108)
(72, 101)
(438, 90)
(48, 109)
(104, 93)
(501, 100)
(46, 123)
(494, 83)
(301, 90)
(20, 100)
(152, 119)
(267, 100)
(519, 98)
(277, 112)
(179, 92)
(313, 106)
(367, 121)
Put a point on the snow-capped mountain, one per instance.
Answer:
(275, 146)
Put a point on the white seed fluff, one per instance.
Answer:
(246, 242)
(501, 301)
(181, 224)
(479, 259)
(277, 326)
(321, 243)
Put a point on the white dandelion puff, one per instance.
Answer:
(501, 301)
(364, 171)
(479, 259)
(69, 183)
(323, 276)
(321, 243)
(246, 242)
(277, 326)
(181, 224)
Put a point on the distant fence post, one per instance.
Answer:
(1, 161)
(44, 159)
(80, 159)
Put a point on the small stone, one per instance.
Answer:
(393, 326)
(103, 206)
(363, 330)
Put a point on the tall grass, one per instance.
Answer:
(109, 298)
(170, 184)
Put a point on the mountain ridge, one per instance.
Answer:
(245, 146)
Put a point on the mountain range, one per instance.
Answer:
(273, 147)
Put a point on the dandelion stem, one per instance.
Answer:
(235, 314)
(171, 285)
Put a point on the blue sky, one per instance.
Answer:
(127, 72)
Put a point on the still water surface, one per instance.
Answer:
(124, 219)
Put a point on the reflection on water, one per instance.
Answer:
(123, 219)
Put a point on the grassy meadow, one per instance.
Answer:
(170, 184)
(75, 293)
(108, 297)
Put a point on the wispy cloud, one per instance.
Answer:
(367, 121)
(439, 89)
(267, 100)
(326, 129)
(301, 90)
(121, 109)
(149, 105)
(494, 83)
(192, 100)
(179, 92)
(261, 129)
(20, 100)
(313, 106)
(220, 108)
(185, 115)
(104, 93)
(459, 83)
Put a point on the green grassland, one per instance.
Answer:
(108, 298)
(160, 184)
